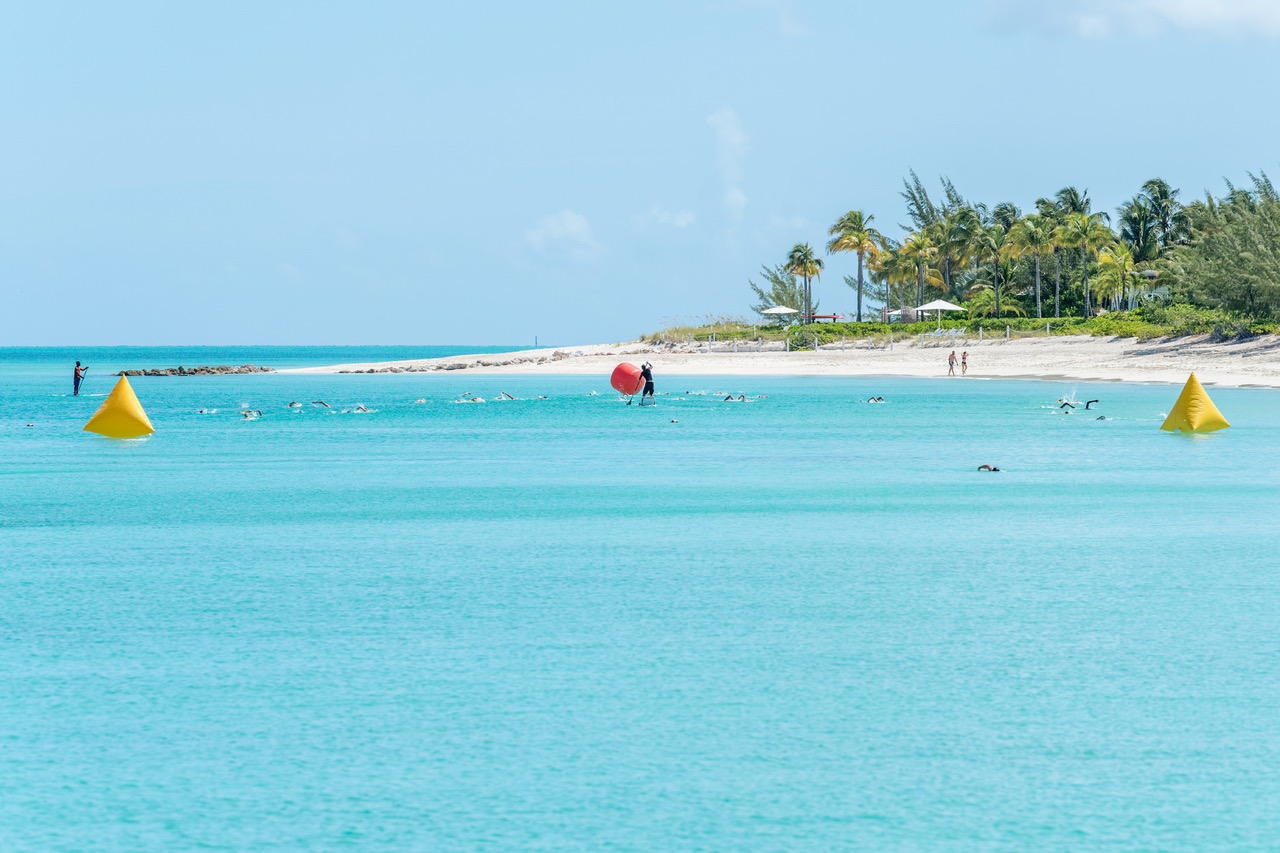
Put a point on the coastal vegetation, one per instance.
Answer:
(1216, 260)
(1154, 320)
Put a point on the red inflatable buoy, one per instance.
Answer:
(626, 379)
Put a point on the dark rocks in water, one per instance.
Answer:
(203, 370)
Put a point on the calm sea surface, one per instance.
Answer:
(798, 623)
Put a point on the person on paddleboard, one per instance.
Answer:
(79, 377)
(646, 373)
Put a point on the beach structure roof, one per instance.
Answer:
(939, 305)
(780, 309)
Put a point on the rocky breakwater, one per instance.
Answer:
(203, 370)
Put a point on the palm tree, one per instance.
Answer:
(1085, 230)
(954, 238)
(1071, 200)
(991, 241)
(920, 249)
(853, 233)
(1031, 235)
(1006, 213)
(1115, 264)
(1052, 215)
(891, 267)
(804, 263)
(1138, 227)
(1169, 215)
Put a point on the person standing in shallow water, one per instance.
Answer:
(646, 373)
(951, 364)
(77, 379)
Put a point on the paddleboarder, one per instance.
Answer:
(79, 377)
(646, 373)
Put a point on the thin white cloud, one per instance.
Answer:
(659, 215)
(1104, 18)
(784, 16)
(731, 153)
(565, 231)
(787, 223)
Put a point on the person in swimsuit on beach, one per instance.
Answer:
(951, 364)
(77, 378)
(964, 362)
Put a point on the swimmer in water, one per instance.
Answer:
(875, 400)
(321, 403)
(251, 414)
(294, 405)
(1088, 404)
(361, 408)
(988, 468)
(419, 401)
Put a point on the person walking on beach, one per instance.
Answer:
(964, 362)
(77, 379)
(646, 373)
(951, 364)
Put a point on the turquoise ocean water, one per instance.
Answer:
(803, 622)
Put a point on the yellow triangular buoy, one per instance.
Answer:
(1194, 411)
(120, 415)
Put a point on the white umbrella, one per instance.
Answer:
(939, 305)
(780, 309)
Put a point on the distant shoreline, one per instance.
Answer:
(1254, 363)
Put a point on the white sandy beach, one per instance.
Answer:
(1252, 363)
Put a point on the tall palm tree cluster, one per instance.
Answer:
(995, 260)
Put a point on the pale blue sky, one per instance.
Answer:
(389, 172)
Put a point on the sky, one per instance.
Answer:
(582, 172)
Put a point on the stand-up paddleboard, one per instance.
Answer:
(648, 401)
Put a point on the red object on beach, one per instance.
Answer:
(626, 379)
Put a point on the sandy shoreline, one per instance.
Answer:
(1251, 363)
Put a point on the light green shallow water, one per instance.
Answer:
(799, 623)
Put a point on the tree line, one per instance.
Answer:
(1062, 259)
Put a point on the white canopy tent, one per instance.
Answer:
(939, 305)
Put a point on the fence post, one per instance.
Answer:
(979, 334)
(891, 341)
(788, 343)
(1046, 328)
(842, 343)
(1006, 333)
